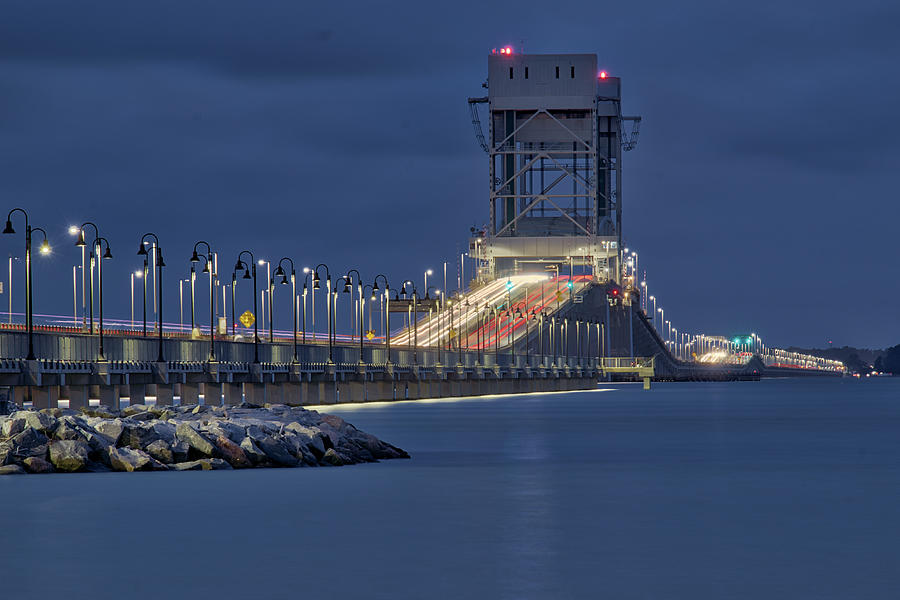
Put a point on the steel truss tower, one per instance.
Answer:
(555, 140)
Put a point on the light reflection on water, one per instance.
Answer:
(773, 489)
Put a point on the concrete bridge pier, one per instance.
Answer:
(233, 393)
(77, 395)
(164, 394)
(108, 395)
(136, 393)
(41, 397)
(274, 393)
(190, 393)
(255, 393)
(292, 393)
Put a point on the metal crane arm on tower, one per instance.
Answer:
(476, 122)
(630, 139)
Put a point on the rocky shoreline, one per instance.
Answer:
(181, 438)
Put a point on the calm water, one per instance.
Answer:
(775, 489)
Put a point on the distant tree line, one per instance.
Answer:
(889, 362)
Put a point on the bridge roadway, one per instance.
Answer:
(68, 372)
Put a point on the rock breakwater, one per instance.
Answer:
(182, 438)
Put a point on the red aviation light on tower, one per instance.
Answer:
(507, 50)
(603, 75)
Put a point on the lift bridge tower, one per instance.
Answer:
(555, 139)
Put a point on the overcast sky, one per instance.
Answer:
(761, 197)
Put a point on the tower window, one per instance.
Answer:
(510, 72)
(526, 72)
(572, 72)
(557, 72)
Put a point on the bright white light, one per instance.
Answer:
(74, 229)
(261, 262)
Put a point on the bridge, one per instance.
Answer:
(555, 301)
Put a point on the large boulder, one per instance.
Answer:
(69, 455)
(332, 458)
(195, 439)
(232, 453)
(7, 453)
(161, 451)
(13, 425)
(30, 443)
(11, 470)
(33, 464)
(68, 428)
(39, 421)
(233, 432)
(256, 456)
(111, 429)
(202, 464)
(312, 437)
(165, 431)
(277, 451)
(129, 459)
(180, 451)
(194, 465)
(137, 435)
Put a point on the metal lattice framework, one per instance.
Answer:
(555, 141)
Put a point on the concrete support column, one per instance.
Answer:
(136, 393)
(164, 394)
(274, 393)
(190, 393)
(233, 393)
(77, 395)
(109, 396)
(39, 397)
(20, 395)
(255, 393)
(291, 393)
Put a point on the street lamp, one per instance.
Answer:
(269, 290)
(209, 267)
(142, 251)
(29, 290)
(97, 245)
(359, 289)
(139, 275)
(387, 312)
(279, 272)
(316, 286)
(239, 265)
(80, 242)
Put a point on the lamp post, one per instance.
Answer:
(29, 290)
(334, 295)
(208, 267)
(279, 272)
(359, 289)
(142, 251)
(269, 289)
(74, 230)
(387, 312)
(233, 296)
(97, 245)
(139, 275)
(80, 242)
(239, 265)
(181, 283)
(305, 288)
(316, 278)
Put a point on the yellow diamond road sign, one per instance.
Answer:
(559, 295)
(370, 334)
(247, 319)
